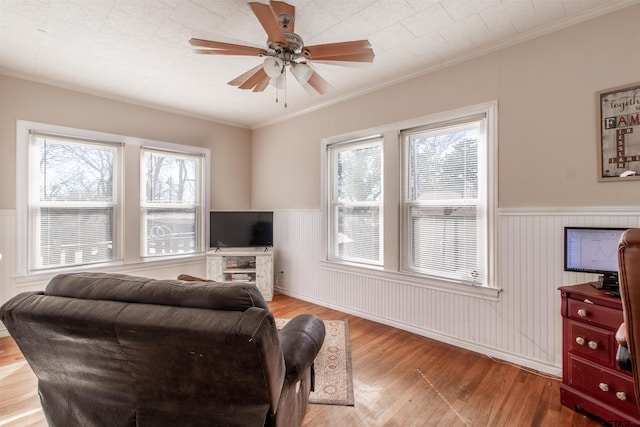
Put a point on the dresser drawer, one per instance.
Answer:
(604, 384)
(594, 314)
(592, 342)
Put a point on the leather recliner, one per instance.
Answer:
(117, 350)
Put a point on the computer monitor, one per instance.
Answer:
(593, 250)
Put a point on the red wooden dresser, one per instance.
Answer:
(591, 380)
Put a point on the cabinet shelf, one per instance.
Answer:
(242, 266)
(239, 270)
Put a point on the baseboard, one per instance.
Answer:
(499, 356)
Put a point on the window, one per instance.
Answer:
(74, 201)
(77, 207)
(355, 218)
(434, 226)
(444, 200)
(171, 199)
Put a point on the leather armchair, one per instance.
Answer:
(116, 350)
(628, 335)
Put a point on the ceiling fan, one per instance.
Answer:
(285, 49)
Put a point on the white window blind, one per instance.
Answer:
(171, 202)
(355, 200)
(73, 201)
(444, 200)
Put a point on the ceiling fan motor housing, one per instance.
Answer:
(293, 46)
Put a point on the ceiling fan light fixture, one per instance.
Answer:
(273, 66)
(302, 72)
(278, 82)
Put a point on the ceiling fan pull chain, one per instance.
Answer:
(285, 87)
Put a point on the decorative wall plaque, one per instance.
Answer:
(619, 134)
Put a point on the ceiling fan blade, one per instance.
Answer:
(221, 48)
(319, 84)
(354, 57)
(237, 52)
(255, 81)
(262, 84)
(280, 7)
(356, 51)
(245, 76)
(216, 45)
(269, 22)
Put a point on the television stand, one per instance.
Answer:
(243, 265)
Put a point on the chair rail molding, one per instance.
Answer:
(523, 325)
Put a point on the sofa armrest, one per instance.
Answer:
(300, 340)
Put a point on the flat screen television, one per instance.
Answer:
(240, 229)
(593, 250)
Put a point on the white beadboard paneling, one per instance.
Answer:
(11, 285)
(522, 326)
(7, 249)
(169, 269)
(296, 243)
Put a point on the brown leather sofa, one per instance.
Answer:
(115, 350)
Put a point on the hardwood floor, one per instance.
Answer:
(400, 379)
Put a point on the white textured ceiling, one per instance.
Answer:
(138, 50)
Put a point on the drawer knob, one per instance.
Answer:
(580, 340)
(593, 345)
(604, 387)
(621, 395)
(582, 312)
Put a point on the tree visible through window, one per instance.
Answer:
(356, 214)
(444, 206)
(73, 201)
(170, 202)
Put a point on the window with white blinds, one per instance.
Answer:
(74, 189)
(444, 191)
(355, 198)
(171, 200)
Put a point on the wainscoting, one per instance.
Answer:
(523, 325)
(11, 284)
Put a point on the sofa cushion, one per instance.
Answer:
(125, 288)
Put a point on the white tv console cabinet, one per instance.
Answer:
(252, 265)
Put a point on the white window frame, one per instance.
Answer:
(146, 206)
(393, 188)
(408, 204)
(127, 246)
(35, 204)
(334, 205)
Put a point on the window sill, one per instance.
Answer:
(37, 280)
(450, 286)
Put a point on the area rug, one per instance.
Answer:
(334, 378)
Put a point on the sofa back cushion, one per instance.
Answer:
(108, 363)
(126, 288)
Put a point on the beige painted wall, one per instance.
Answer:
(547, 119)
(230, 146)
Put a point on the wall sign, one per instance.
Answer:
(619, 134)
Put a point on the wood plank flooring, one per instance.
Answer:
(400, 379)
